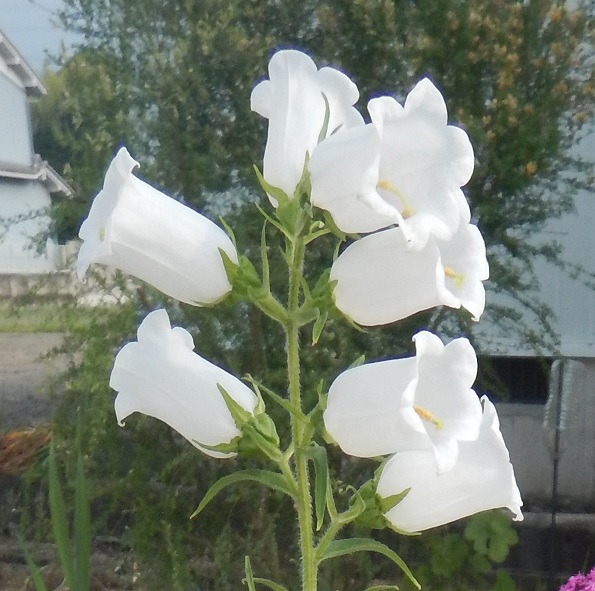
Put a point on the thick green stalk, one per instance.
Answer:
(303, 499)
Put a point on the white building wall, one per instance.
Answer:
(24, 225)
(16, 143)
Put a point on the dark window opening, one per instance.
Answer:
(514, 379)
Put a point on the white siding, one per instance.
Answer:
(16, 144)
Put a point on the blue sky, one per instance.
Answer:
(33, 29)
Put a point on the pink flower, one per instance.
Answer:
(580, 582)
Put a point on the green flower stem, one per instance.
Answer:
(303, 499)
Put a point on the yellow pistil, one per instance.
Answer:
(101, 234)
(458, 278)
(426, 415)
(385, 184)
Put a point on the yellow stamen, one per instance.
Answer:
(426, 415)
(458, 278)
(101, 234)
(385, 184)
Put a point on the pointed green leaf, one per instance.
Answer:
(266, 283)
(270, 584)
(82, 528)
(36, 576)
(274, 192)
(352, 545)
(282, 402)
(231, 268)
(249, 580)
(319, 327)
(321, 483)
(239, 414)
(387, 503)
(59, 519)
(327, 115)
(273, 480)
(229, 231)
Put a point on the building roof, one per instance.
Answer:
(17, 64)
(40, 171)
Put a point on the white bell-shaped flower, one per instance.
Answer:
(424, 163)
(417, 403)
(343, 173)
(293, 100)
(161, 376)
(380, 280)
(136, 228)
(481, 479)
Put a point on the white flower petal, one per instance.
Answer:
(363, 413)
(482, 479)
(134, 227)
(379, 280)
(464, 258)
(343, 171)
(160, 376)
(424, 162)
(292, 100)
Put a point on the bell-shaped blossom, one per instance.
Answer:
(136, 228)
(417, 403)
(344, 175)
(293, 100)
(159, 375)
(380, 280)
(423, 165)
(481, 479)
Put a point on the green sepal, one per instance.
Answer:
(224, 448)
(278, 194)
(231, 269)
(387, 503)
(282, 402)
(260, 437)
(321, 481)
(272, 480)
(319, 327)
(357, 506)
(351, 545)
(239, 414)
(229, 231)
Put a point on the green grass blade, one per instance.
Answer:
(60, 520)
(82, 528)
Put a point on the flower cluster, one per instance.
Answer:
(392, 189)
(580, 582)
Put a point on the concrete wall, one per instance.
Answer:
(16, 143)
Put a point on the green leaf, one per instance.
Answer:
(229, 231)
(82, 528)
(382, 587)
(273, 480)
(282, 402)
(239, 414)
(270, 584)
(278, 194)
(249, 580)
(36, 576)
(59, 519)
(351, 545)
(321, 482)
(387, 503)
(319, 327)
(266, 283)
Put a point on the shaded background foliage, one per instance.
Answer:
(171, 80)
